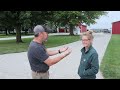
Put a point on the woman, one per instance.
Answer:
(89, 64)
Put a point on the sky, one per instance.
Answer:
(105, 21)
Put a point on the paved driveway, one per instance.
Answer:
(16, 65)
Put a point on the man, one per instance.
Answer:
(39, 56)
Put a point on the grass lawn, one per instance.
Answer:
(10, 35)
(10, 46)
(110, 65)
(6, 36)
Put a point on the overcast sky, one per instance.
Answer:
(105, 22)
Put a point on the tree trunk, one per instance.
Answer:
(71, 29)
(26, 31)
(66, 29)
(9, 31)
(18, 34)
(55, 28)
(6, 31)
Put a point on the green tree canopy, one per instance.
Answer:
(27, 19)
(72, 18)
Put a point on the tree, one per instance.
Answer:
(15, 19)
(23, 20)
(71, 18)
(27, 19)
(40, 17)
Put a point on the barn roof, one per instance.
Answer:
(115, 22)
(84, 25)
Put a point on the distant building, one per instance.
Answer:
(83, 28)
(63, 30)
(116, 27)
(96, 30)
(80, 29)
(76, 30)
(101, 30)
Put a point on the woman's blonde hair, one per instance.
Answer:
(89, 34)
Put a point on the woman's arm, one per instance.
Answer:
(94, 66)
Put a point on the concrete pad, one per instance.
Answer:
(16, 65)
